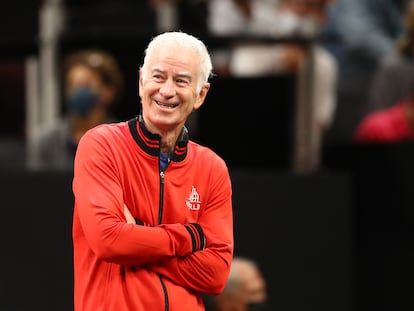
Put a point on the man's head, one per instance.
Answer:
(173, 80)
(245, 289)
(185, 41)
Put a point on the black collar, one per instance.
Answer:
(151, 143)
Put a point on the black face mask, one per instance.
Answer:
(82, 100)
(257, 306)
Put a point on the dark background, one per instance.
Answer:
(341, 240)
(298, 234)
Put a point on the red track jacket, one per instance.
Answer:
(182, 244)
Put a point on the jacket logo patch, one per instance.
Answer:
(193, 201)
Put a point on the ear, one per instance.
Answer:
(202, 96)
(139, 85)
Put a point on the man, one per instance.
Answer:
(245, 289)
(153, 222)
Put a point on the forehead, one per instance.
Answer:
(174, 57)
(82, 74)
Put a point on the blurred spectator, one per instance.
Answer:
(394, 77)
(387, 125)
(227, 18)
(285, 19)
(245, 289)
(93, 84)
(230, 17)
(360, 34)
(292, 18)
(297, 19)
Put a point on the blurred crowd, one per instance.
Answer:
(360, 51)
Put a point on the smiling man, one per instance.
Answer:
(153, 219)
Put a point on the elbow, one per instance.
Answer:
(217, 284)
(108, 252)
(105, 253)
(108, 246)
(217, 289)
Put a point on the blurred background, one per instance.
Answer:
(329, 217)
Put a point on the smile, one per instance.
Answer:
(167, 106)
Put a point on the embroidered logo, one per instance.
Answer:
(193, 201)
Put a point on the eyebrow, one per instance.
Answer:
(180, 75)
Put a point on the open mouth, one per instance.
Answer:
(170, 106)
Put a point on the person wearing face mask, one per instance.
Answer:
(245, 289)
(92, 85)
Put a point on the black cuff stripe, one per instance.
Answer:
(193, 239)
(201, 235)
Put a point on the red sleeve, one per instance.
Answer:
(207, 270)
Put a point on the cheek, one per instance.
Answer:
(146, 91)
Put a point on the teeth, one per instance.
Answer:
(167, 106)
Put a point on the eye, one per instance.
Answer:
(181, 81)
(157, 77)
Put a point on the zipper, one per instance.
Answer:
(164, 289)
(160, 209)
(162, 175)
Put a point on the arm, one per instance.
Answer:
(207, 270)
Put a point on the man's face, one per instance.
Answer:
(168, 88)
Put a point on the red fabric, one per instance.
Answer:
(385, 125)
(117, 265)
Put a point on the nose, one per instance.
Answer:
(167, 89)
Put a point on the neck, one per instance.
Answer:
(81, 124)
(168, 136)
(168, 141)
